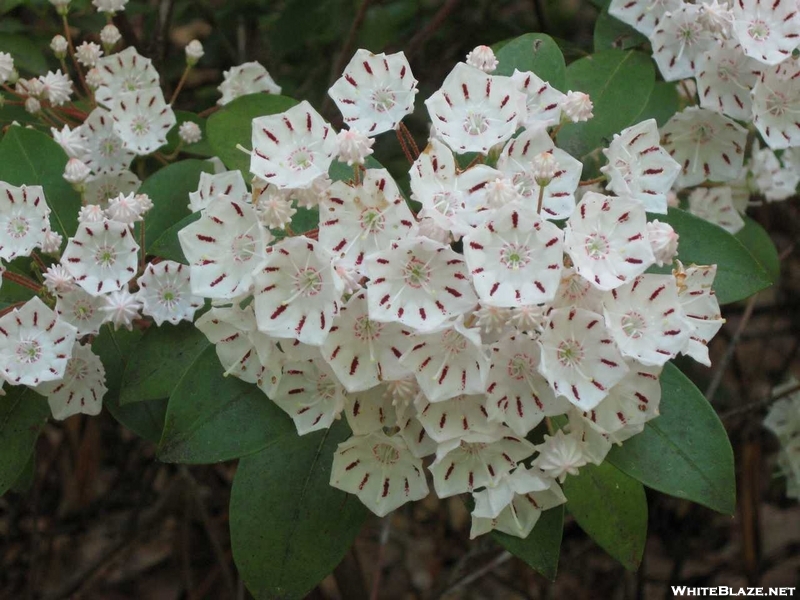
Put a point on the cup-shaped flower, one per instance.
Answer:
(166, 293)
(24, 220)
(82, 388)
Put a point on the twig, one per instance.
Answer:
(384, 539)
(473, 576)
(722, 366)
(758, 404)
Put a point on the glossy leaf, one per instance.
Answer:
(619, 84)
(289, 527)
(28, 56)
(167, 245)
(145, 419)
(535, 52)
(612, 509)
(32, 158)
(685, 452)
(610, 32)
(739, 275)
(23, 413)
(212, 417)
(231, 126)
(160, 360)
(201, 148)
(541, 549)
(760, 244)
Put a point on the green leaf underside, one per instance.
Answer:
(169, 190)
(541, 549)
(535, 52)
(685, 452)
(23, 413)
(612, 509)
(212, 418)
(29, 157)
(232, 125)
(757, 241)
(289, 527)
(739, 275)
(145, 419)
(160, 361)
(619, 84)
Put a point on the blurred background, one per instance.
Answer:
(98, 517)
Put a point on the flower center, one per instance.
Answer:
(140, 125)
(520, 366)
(308, 281)
(703, 133)
(515, 256)
(758, 30)
(372, 220)
(597, 246)
(169, 296)
(525, 184)
(453, 342)
(109, 146)
(17, 227)
(82, 310)
(364, 329)
(383, 100)
(105, 256)
(77, 368)
(385, 454)
(776, 104)
(243, 247)
(570, 353)
(446, 203)
(475, 123)
(633, 325)
(326, 388)
(416, 273)
(300, 159)
(29, 352)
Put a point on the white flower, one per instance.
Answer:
(560, 455)
(59, 46)
(663, 242)
(165, 293)
(224, 248)
(229, 183)
(91, 213)
(71, 140)
(519, 162)
(639, 168)
(142, 120)
(776, 181)
(483, 58)
(447, 361)
(61, 6)
(643, 15)
(577, 106)
(82, 310)
(102, 257)
(725, 76)
(56, 87)
(297, 291)
(121, 308)
(109, 36)
(701, 307)
(776, 103)
(542, 101)
(190, 132)
(451, 419)
(473, 111)
(354, 146)
(6, 66)
(194, 52)
(361, 351)
(94, 79)
(492, 320)
(106, 153)
(380, 470)
(274, 208)
(23, 220)
(82, 388)
(375, 91)
(32, 105)
(123, 72)
(371, 410)
(579, 359)
(783, 417)
(99, 189)
(124, 208)
(515, 257)
(310, 394)
(248, 78)
(717, 18)
(716, 206)
(88, 53)
(293, 148)
(767, 31)
(58, 280)
(679, 40)
(606, 239)
(76, 171)
(34, 344)
(109, 6)
(52, 243)
(356, 221)
(707, 145)
(419, 283)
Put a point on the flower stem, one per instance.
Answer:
(180, 85)
(22, 280)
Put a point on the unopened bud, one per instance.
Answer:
(483, 58)
(194, 52)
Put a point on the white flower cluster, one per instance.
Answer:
(456, 331)
(742, 57)
(783, 419)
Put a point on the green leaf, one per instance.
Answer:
(201, 148)
(739, 275)
(212, 417)
(664, 102)
(232, 125)
(757, 241)
(145, 419)
(23, 413)
(160, 360)
(619, 84)
(685, 452)
(26, 478)
(289, 527)
(28, 56)
(610, 32)
(167, 245)
(535, 52)
(541, 549)
(169, 190)
(32, 158)
(612, 509)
